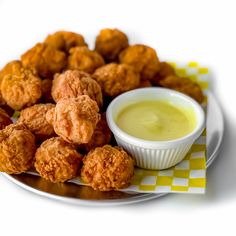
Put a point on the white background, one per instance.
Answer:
(202, 31)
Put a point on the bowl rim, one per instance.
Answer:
(191, 137)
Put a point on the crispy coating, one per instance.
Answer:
(110, 42)
(34, 118)
(184, 85)
(81, 58)
(65, 40)
(46, 91)
(5, 119)
(9, 68)
(17, 149)
(50, 116)
(145, 84)
(107, 168)
(75, 119)
(57, 160)
(143, 58)
(21, 88)
(165, 71)
(101, 135)
(73, 83)
(45, 59)
(115, 79)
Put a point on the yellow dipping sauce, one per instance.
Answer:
(156, 120)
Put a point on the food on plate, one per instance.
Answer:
(75, 119)
(165, 71)
(46, 91)
(5, 119)
(183, 85)
(81, 58)
(107, 168)
(143, 58)
(110, 42)
(17, 149)
(62, 88)
(73, 83)
(115, 79)
(34, 118)
(101, 135)
(65, 40)
(21, 88)
(45, 59)
(156, 120)
(57, 160)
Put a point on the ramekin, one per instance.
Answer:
(155, 155)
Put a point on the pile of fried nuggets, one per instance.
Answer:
(62, 89)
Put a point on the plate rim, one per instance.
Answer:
(115, 202)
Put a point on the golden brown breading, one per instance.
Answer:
(75, 119)
(110, 42)
(17, 149)
(145, 84)
(107, 168)
(46, 91)
(184, 85)
(73, 83)
(143, 58)
(34, 118)
(65, 40)
(101, 135)
(165, 71)
(9, 68)
(45, 59)
(21, 89)
(115, 79)
(57, 160)
(81, 58)
(5, 119)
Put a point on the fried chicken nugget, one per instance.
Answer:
(143, 58)
(110, 42)
(10, 68)
(65, 40)
(17, 149)
(34, 118)
(184, 85)
(57, 160)
(73, 83)
(75, 119)
(165, 71)
(21, 88)
(107, 168)
(101, 135)
(81, 58)
(45, 59)
(115, 79)
(5, 119)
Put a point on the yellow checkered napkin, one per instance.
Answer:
(189, 176)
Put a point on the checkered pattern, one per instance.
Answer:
(188, 176)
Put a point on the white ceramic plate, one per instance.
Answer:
(83, 195)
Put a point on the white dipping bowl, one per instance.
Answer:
(155, 155)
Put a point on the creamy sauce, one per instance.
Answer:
(156, 120)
